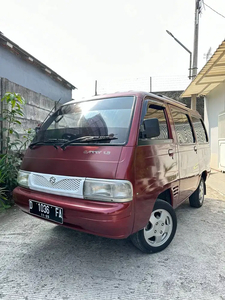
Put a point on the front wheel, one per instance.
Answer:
(197, 198)
(159, 231)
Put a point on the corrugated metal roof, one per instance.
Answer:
(11, 46)
(211, 75)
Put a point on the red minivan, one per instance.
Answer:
(117, 166)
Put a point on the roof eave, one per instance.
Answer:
(211, 75)
(29, 58)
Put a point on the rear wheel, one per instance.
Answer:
(159, 231)
(197, 198)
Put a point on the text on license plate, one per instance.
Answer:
(46, 211)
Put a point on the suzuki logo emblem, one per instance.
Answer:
(52, 180)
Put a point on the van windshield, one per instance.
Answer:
(96, 121)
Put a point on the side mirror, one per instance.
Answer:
(151, 128)
(36, 129)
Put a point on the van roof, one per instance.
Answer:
(140, 94)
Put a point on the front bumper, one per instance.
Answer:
(113, 220)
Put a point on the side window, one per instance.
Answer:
(158, 112)
(199, 130)
(183, 127)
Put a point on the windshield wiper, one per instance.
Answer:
(89, 138)
(48, 142)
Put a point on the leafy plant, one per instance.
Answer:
(3, 191)
(13, 144)
(3, 200)
(11, 113)
(9, 165)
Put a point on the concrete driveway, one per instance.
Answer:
(216, 185)
(43, 261)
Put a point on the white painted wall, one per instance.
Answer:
(214, 105)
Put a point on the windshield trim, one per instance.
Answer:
(100, 97)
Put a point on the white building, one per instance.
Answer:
(210, 83)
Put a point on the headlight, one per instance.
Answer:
(23, 178)
(108, 190)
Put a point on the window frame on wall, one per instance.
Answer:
(184, 113)
(204, 130)
(162, 107)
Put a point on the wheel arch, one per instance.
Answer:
(166, 196)
(162, 235)
(204, 176)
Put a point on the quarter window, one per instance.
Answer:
(199, 130)
(183, 127)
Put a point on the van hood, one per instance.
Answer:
(80, 161)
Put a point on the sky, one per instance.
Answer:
(113, 42)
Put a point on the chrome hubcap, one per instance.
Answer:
(159, 228)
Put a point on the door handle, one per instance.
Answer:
(170, 152)
(195, 149)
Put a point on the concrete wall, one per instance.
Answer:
(36, 109)
(26, 74)
(214, 105)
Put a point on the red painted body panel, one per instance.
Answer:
(82, 161)
(112, 220)
(155, 173)
(149, 168)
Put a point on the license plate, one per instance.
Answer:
(46, 211)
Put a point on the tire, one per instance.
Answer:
(197, 198)
(160, 230)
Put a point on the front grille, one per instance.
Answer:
(57, 184)
(61, 184)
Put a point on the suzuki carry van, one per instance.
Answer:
(117, 166)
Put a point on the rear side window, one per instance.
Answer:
(158, 112)
(199, 130)
(183, 127)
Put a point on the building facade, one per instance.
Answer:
(214, 121)
(210, 83)
(22, 68)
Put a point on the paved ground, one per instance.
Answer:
(216, 185)
(39, 260)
